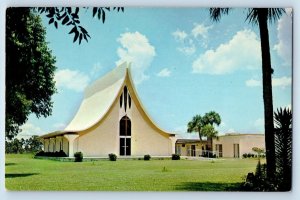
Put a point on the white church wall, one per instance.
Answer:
(146, 140)
(101, 139)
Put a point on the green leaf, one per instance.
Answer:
(51, 20)
(69, 10)
(82, 29)
(73, 30)
(66, 19)
(62, 16)
(80, 37)
(76, 11)
(49, 15)
(76, 36)
(94, 11)
(103, 17)
(84, 36)
(99, 13)
(75, 16)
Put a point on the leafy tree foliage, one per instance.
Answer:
(282, 179)
(29, 64)
(204, 125)
(261, 17)
(31, 145)
(259, 151)
(68, 16)
(30, 69)
(195, 125)
(283, 147)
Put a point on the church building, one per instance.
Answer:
(111, 119)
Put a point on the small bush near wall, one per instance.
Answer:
(112, 157)
(78, 157)
(175, 157)
(251, 155)
(209, 155)
(147, 157)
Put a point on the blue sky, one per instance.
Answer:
(183, 64)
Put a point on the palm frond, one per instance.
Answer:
(272, 14)
(216, 13)
(283, 147)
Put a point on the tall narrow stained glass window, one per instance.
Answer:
(125, 98)
(121, 100)
(129, 100)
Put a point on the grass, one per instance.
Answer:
(23, 172)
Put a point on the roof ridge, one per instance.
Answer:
(109, 78)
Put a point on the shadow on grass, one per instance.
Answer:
(19, 175)
(9, 164)
(208, 186)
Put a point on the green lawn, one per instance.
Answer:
(23, 172)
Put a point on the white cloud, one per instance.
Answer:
(179, 35)
(259, 124)
(71, 79)
(136, 48)
(231, 130)
(28, 130)
(180, 129)
(96, 69)
(164, 73)
(282, 82)
(187, 45)
(200, 30)
(182, 133)
(59, 126)
(276, 82)
(241, 52)
(253, 83)
(187, 49)
(284, 35)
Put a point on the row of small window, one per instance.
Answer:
(54, 146)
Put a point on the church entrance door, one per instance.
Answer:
(125, 136)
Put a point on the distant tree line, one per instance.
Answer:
(31, 145)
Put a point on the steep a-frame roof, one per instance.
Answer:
(98, 99)
(100, 96)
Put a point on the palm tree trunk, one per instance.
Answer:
(200, 136)
(267, 91)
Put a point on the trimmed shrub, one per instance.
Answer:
(175, 157)
(60, 153)
(259, 181)
(245, 155)
(147, 157)
(40, 153)
(209, 155)
(78, 157)
(112, 157)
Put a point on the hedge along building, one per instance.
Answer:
(111, 119)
